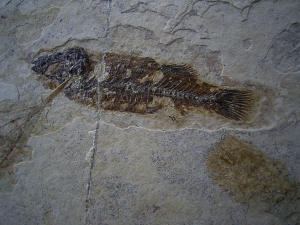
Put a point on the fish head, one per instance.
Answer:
(63, 65)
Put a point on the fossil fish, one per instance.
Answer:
(140, 85)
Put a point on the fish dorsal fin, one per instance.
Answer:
(184, 70)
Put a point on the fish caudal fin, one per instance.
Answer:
(236, 105)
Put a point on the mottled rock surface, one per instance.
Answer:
(67, 163)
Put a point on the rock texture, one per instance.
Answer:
(67, 163)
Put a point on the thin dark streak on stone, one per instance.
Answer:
(8, 2)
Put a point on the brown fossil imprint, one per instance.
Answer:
(139, 85)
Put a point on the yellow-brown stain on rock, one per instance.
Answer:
(248, 175)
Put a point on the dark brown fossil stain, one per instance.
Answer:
(249, 175)
(13, 147)
(141, 85)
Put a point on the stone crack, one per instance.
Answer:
(95, 144)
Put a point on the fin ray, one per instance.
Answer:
(234, 104)
(179, 70)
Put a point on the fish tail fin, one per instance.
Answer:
(238, 105)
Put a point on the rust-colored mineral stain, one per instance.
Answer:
(133, 83)
(244, 171)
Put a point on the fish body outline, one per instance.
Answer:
(138, 85)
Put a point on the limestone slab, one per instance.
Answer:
(67, 163)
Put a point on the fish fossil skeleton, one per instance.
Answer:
(139, 85)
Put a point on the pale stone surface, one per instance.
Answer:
(8, 92)
(65, 163)
(48, 190)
